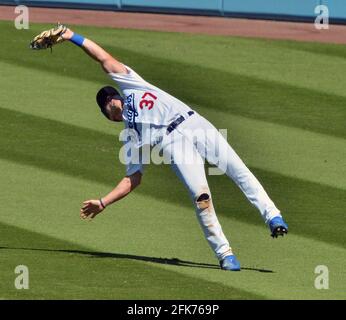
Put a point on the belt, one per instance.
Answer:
(178, 121)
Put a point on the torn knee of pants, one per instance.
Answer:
(203, 201)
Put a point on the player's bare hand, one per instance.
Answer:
(90, 209)
(67, 35)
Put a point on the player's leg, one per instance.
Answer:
(218, 151)
(235, 168)
(189, 167)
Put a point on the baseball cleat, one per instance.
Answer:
(278, 227)
(230, 263)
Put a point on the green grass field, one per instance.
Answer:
(284, 105)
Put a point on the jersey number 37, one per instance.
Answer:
(148, 101)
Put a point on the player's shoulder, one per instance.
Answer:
(130, 76)
(131, 73)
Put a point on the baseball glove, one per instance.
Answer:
(48, 38)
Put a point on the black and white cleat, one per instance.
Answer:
(279, 231)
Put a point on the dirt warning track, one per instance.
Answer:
(183, 23)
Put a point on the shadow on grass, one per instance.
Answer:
(169, 261)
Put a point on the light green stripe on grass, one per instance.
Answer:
(92, 156)
(316, 66)
(289, 151)
(57, 151)
(49, 205)
(302, 101)
(286, 150)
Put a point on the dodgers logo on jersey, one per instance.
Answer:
(131, 112)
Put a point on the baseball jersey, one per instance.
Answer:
(147, 111)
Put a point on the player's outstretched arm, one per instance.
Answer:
(91, 208)
(108, 63)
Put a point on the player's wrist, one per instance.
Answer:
(67, 35)
(102, 203)
(77, 39)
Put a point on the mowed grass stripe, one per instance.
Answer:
(49, 205)
(290, 63)
(165, 232)
(316, 158)
(158, 220)
(62, 270)
(240, 94)
(93, 156)
(289, 151)
(232, 93)
(145, 226)
(287, 62)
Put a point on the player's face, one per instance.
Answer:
(114, 107)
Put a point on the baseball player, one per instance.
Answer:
(153, 117)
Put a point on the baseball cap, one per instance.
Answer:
(103, 94)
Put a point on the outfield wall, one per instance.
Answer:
(268, 9)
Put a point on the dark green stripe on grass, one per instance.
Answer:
(62, 270)
(202, 87)
(311, 209)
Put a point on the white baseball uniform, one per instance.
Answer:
(149, 113)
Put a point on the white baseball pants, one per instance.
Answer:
(186, 147)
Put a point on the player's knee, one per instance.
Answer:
(203, 200)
